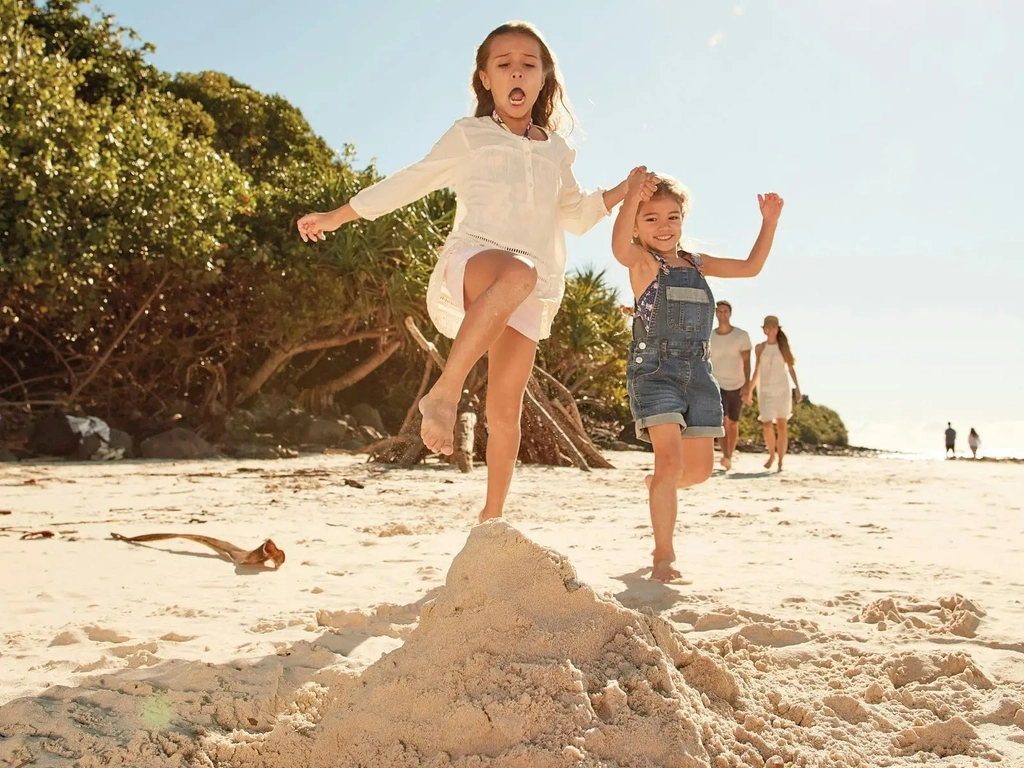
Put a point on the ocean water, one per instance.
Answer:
(926, 441)
(941, 455)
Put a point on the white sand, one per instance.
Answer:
(850, 612)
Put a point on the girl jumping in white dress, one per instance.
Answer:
(500, 277)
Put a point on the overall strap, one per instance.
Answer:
(661, 261)
(694, 260)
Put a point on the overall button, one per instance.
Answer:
(642, 345)
(638, 359)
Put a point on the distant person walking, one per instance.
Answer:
(775, 378)
(973, 442)
(950, 439)
(730, 365)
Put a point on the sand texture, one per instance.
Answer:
(848, 613)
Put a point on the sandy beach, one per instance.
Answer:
(847, 612)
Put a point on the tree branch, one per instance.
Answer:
(279, 357)
(120, 337)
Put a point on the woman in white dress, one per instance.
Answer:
(973, 442)
(775, 379)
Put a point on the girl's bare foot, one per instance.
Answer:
(648, 480)
(486, 514)
(664, 572)
(438, 430)
(726, 463)
(771, 460)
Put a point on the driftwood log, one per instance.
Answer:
(264, 553)
(553, 431)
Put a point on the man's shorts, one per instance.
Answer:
(732, 403)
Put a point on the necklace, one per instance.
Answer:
(497, 118)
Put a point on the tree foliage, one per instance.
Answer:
(148, 226)
(149, 262)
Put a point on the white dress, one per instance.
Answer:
(774, 388)
(512, 193)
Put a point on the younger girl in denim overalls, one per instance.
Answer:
(673, 395)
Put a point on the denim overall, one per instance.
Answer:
(668, 372)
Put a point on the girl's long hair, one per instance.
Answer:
(552, 106)
(783, 341)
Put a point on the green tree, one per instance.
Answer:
(148, 231)
(587, 348)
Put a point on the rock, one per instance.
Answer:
(240, 426)
(360, 437)
(178, 443)
(328, 432)
(6, 456)
(53, 436)
(292, 425)
(88, 447)
(367, 416)
(266, 409)
(354, 442)
(119, 447)
(259, 452)
(122, 441)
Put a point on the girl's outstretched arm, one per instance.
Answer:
(716, 266)
(400, 188)
(314, 226)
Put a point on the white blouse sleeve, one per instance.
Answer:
(578, 210)
(414, 181)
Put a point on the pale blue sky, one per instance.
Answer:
(892, 129)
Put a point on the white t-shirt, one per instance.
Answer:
(726, 362)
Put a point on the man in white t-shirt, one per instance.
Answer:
(730, 363)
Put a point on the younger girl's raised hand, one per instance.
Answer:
(771, 206)
(641, 184)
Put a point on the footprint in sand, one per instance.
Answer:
(174, 637)
(66, 638)
(102, 635)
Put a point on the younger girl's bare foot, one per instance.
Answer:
(664, 572)
(648, 480)
(438, 430)
(771, 460)
(726, 463)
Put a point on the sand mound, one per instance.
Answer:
(516, 664)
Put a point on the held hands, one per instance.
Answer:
(747, 395)
(314, 226)
(771, 206)
(640, 184)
